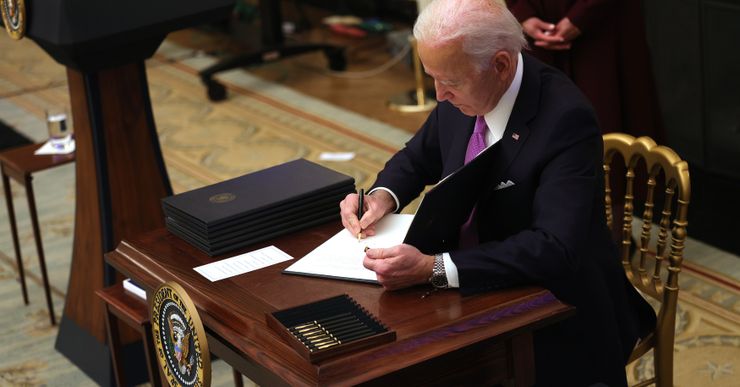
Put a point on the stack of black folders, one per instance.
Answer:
(257, 206)
(330, 327)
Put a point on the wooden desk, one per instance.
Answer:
(441, 339)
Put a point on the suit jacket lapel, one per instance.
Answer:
(517, 129)
(459, 144)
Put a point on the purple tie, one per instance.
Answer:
(477, 142)
(476, 145)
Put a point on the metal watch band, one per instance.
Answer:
(439, 276)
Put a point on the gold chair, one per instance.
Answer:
(649, 281)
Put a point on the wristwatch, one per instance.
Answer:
(439, 276)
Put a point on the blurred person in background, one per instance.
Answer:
(601, 46)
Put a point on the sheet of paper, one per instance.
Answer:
(244, 263)
(341, 255)
(336, 156)
(49, 149)
(134, 288)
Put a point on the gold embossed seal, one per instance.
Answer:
(14, 17)
(179, 338)
(222, 198)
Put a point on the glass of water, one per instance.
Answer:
(60, 132)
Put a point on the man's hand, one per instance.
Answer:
(376, 206)
(399, 266)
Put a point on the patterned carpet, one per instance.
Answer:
(261, 124)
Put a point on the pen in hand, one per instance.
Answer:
(360, 205)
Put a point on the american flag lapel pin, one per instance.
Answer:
(515, 136)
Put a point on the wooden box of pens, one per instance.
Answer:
(329, 327)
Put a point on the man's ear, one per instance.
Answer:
(502, 62)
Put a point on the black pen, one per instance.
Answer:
(360, 204)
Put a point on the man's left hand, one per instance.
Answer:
(399, 266)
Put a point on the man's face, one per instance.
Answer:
(457, 80)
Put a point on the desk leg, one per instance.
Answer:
(151, 357)
(522, 360)
(14, 231)
(238, 381)
(114, 343)
(39, 247)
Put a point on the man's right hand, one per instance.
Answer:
(376, 206)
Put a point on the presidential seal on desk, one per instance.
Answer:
(179, 338)
(14, 17)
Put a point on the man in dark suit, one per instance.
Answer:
(539, 218)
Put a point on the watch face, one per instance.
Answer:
(439, 280)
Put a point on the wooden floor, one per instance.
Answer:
(309, 73)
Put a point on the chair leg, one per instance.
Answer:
(40, 249)
(14, 232)
(238, 382)
(663, 364)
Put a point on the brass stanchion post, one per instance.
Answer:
(419, 99)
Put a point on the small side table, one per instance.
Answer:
(19, 164)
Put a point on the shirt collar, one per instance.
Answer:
(497, 118)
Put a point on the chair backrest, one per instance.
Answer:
(647, 274)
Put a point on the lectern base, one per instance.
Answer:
(93, 357)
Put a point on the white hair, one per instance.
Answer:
(484, 26)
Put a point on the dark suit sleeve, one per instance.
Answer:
(415, 166)
(563, 207)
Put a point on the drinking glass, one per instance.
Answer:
(60, 133)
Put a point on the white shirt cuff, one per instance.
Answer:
(451, 270)
(392, 195)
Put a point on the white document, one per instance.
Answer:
(341, 255)
(244, 263)
(337, 156)
(49, 149)
(134, 288)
